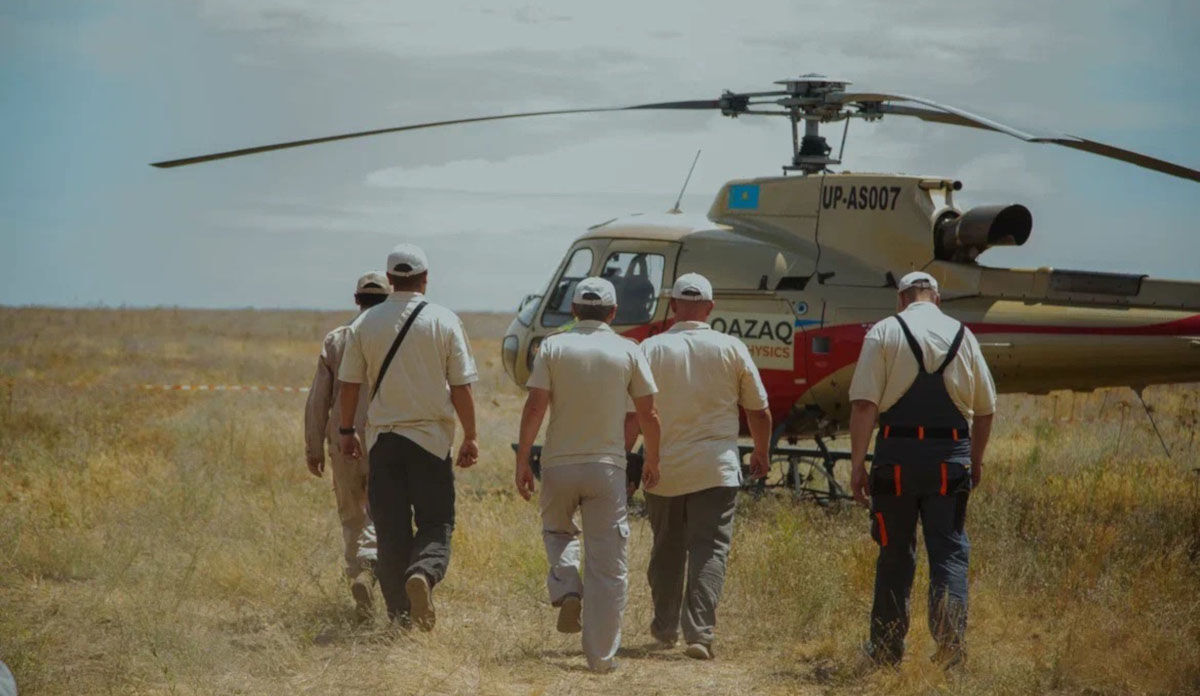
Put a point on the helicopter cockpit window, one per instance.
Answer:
(637, 278)
(558, 307)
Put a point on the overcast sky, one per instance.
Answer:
(90, 92)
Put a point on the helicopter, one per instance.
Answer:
(804, 263)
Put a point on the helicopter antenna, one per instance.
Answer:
(1150, 415)
(842, 147)
(675, 210)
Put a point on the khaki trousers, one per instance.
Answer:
(350, 490)
(597, 491)
(692, 534)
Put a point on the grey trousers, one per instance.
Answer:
(692, 530)
(597, 491)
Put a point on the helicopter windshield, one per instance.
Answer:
(558, 308)
(637, 278)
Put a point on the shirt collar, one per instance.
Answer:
(921, 305)
(403, 296)
(592, 325)
(688, 326)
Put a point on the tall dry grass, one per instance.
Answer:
(174, 543)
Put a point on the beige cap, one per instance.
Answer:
(692, 286)
(373, 283)
(596, 292)
(407, 260)
(917, 279)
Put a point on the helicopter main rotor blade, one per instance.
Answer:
(677, 105)
(941, 113)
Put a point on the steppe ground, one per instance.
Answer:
(174, 543)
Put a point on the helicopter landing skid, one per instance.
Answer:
(807, 473)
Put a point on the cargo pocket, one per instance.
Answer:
(885, 480)
(960, 508)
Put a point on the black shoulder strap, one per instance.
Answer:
(954, 346)
(912, 343)
(396, 346)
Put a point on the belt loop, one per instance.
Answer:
(943, 478)
(896, 474)
(920, 432)
(887, 429)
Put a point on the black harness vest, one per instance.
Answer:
(924, 426)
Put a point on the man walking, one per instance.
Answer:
(349, 474)
(703, 376)
(416, 364)
(924, 376)
(586, 377)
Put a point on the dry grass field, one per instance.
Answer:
(174, 543)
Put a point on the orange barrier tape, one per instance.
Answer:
(221, 387)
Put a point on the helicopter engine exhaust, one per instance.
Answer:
(964, 236)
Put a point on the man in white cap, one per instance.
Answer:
(703, 376)
(586, 376)
(349, 474)
(923, 376)
(415, 362)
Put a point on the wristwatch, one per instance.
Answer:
(345, 431)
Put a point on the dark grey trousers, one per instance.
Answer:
(692, 534)
(407, 482)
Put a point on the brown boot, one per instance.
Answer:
(569, 613)
(360, 588)
(420, 601)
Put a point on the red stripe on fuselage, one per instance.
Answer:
(1180, 327)
(845, 344)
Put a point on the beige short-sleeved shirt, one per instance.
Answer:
(702, 376)
(414, 399)
(591, 373)
(323, 409)
(887, 368)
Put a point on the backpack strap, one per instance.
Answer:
(954, 346)
(387, 361)
(912, 344)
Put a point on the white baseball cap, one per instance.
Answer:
(916, 279)
(407, 260)
(373, 283)
(595, 292)
(692, 286)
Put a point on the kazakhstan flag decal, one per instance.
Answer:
(743, 197)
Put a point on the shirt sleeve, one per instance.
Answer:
(320, 399)
(641, 380)
(870, 374)
(353, 369)
(752, 395)
(460, 363)
(539, 375)
(984, 401)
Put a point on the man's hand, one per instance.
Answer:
(760, 464)
(352, 446)
(468, 453)
(858, 484)
(316, 465)
(976, 474)
(524, 479)
(650, 473)
(862, 421)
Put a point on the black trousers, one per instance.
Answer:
(937, 495)
(407, 482)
